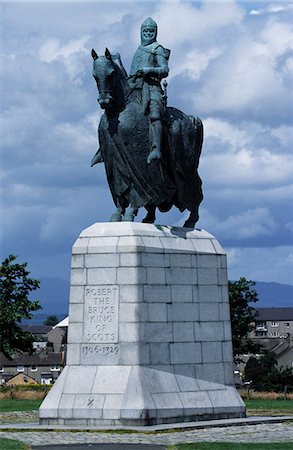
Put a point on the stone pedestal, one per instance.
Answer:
(149, 338)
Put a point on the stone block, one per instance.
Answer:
(131, 332)
(224, 311)
(152, 244)
(211, 352)
(112, 406)
(181, 293)
(209, 312)
(101, 260)
(203, 246)
(181, 275)
(88, 406)
(159, 353)
(130, 293)
(131, 312)
(196, 403)
(211, 293)
(183, 331)
(207, 276)
(185, 353)
(66, 405)
(111, 380)
(156, 275)
(227, 331)
(76, 294)
(77, 261)
(134, 353)
(227, 351)
(185, 377)
(183, 312)
(73, 354)
(176, 245)
(80, 376)
(168, 404)
(130, 244)
(155, 260)
(131, 275)
(159, 379)
(101, 276)
(101, 245)
(210, 375)
(159, 332)
(207, 261)
(80, 246)
(157, 312)
(76, 312)
(130, 259)
(75, 333)
(78, 277)
(179, 260)
(157, 293)
(217, 246)
(209, 331)
(222, 277)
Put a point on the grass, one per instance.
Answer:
(232, 446)
(11, 405)
(11, 444)
(268, 406)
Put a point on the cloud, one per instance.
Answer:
(232, 68)
(261, 264)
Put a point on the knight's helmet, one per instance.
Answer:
(149, 22)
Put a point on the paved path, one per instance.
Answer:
(274, 432)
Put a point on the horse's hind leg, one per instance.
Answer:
(151, 215)
(192, 219)
(130, 214)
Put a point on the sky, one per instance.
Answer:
(231, 64)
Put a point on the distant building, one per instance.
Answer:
(273, 332)
(273, 323)
(40, 367)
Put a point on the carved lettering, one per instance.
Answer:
(101, 314)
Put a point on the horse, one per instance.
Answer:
(124, 147)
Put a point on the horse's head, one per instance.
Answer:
(106, 73)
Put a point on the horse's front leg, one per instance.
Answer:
(130, 214)
(192, 219)
(151, 215)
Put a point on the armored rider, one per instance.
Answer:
(149, 66)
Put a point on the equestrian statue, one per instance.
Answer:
(151, 151)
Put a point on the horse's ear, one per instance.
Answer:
(108, 55)
(94, 55)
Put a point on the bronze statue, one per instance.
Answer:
(151, 151)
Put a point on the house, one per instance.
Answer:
(43, 367)
(273, 332)
(273, 323)
(47, 337)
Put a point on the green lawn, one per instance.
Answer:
(11, 444)
(271, 406)
(231, 446)
(11, 405)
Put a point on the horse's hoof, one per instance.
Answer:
(148, 220)
(128, 217)
(189, 224)
(116, 217)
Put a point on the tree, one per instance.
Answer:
(241, 295)
(15, 286)
(51, 320)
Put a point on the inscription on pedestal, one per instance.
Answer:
(101, 315)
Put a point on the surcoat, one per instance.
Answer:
(154, 57)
